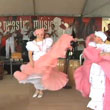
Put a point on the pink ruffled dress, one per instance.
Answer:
(39, 49)
(97, 81)
(45, 65)
(93, 77)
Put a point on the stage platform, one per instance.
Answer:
(15, 96)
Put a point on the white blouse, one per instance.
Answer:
(39, 48)
(97, 79)
(104, 47)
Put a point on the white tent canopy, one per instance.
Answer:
(84, 8)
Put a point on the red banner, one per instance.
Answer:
(82, 26)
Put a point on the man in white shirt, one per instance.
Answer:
(25, 37)
(59, 27)
(25, 31)
(53, 32)
(10, 44)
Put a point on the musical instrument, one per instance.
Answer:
(61, 64)
(73, 65)
(68, 68)
(16, 55)
(8, 35)
(4, 38)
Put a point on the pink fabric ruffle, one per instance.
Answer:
(47, 66)
(81, 75)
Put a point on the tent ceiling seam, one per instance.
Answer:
(34, 8)
(107, 3)
(84, 7)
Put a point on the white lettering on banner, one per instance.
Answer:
(42, 24)
(35, 24)
(17, 25)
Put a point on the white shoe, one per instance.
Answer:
(40, 95)
(35, 94)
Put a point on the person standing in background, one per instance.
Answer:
(1, 35)
(25, 38)
(108, 33)
(10, 44)
(25, 31)
(53, 32)
(59, 26)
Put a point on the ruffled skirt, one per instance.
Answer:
(36, 80)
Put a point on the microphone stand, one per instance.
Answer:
(67, 66)
(69, 56)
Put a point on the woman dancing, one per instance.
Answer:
(42, 69)
(93, 78)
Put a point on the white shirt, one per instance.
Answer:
(39, 48)
(24, 32)
(104, 47)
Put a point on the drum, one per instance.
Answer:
(61, 64)
(73, 65)
(68, 68)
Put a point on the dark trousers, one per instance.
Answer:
(24, 51)
(2, 51)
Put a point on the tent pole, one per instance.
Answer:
(34, 7)
(86, 1)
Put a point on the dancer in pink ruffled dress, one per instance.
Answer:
(42, 69)
(37, 48)
(93, 78)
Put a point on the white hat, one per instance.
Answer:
(26, 22)
(101, 35)
(66, 25)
